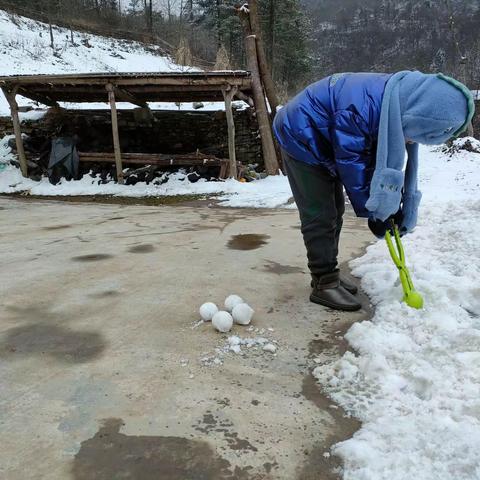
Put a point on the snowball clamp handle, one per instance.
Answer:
(411, 297)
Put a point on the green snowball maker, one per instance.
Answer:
(411, 297)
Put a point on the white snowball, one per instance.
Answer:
(270, 347)
(207, 311)
(231, 301)
(242, 314)
(222, 321)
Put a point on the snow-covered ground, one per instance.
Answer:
(25, 50)
(414, 379)
(270, 192)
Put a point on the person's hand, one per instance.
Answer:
(379, 228)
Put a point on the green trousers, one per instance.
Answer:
(321, 204)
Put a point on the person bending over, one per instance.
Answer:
(352, 130)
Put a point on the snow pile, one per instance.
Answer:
(466, 143)
(236, 343)
(415, 382)
(260, 344)
(270, 192)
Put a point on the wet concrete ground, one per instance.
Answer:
(101, 369)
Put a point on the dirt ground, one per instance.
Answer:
(104, 373)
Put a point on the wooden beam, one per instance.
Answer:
(38, 97)
(192, 159)
(10, 96)
(116, 137)
(126, 96)
(264, 125)
(137, 94)
(228, 95)
(241, 96)
(62, 81)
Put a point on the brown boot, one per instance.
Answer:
(328, 292)
(348, 286)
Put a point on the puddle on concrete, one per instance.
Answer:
(63, 344)
(145, 248)
(57, 227)
(211, 423)
(236, 443)
(279, 269)
(248, 241)
(94, 257)
(110, 455)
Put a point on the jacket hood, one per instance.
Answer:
(433, 107)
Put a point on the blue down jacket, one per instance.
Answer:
(334, 123)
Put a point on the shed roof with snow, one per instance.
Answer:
(136, 88)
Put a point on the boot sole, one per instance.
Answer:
(334, 306)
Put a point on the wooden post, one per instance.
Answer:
(262, 58)
(268, 146)
(52, 43)
(116, 137)
(228, 96)
(10, 96)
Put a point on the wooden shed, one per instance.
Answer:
(139, 89)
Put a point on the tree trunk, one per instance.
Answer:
(190, 10)
(271, 34)
(52, 44)
(150, 16)
(264, 125)
(219, 24)
(262, 58)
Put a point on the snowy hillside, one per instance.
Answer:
(25, 49)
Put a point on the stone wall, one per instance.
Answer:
(147, 132)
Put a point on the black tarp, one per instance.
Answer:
(64, 160)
